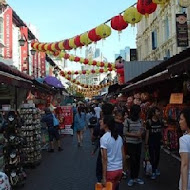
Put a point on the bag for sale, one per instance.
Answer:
(99, 186)
(147, 165)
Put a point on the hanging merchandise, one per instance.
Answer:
(146, 7)
(184, 3)
(132, 16)
(118, 23)
(31, 131)
(13, 155)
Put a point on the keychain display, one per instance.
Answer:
(12, 151)
(31, 132)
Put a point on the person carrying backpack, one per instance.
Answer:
(132, 132)
(154, 126)
(92, 122)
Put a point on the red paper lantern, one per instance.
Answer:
(118, 23)
(93, 36)
(43, 49)
(94, 63)
(69, 78)
(74, 80)
(86, 61)
(78, 83)
(56, 53)
(66, 56)
(62, 73)
(110, 69)
(146, 7)
(76, 72)
(93, 71)
(49, 47)
(66, 45)
(57, 46)
(77, 41)
(102, 64)
(69, 72)
(83, 72)
(77, 59)
(109, 65)
(101, 70)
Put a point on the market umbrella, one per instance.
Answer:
(53, 81)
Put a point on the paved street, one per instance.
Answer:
(74, 169)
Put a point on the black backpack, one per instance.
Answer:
(93, 120)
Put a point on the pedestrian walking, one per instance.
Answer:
(184, 150)
(79, 124)
(98, 110)
(154, 127)
(133, 130)
(92, 121)
(50, 120)
(112, 152)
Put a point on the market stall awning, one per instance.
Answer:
(14, 80)
(148, 81)
(53, 81)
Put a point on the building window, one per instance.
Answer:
(154, 40)
(167, 29)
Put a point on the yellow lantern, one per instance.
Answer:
(35, 45)
(132, 16)
(90, 62)
(84, 39)
(97, 71)
(81, 60)
(103, 31)
(98, 64)
(61, 54)
(184, 3)
(40, 47)
(88, 72)
(72, 43)
(160, 2)
(60, 45)
(53, 47)
(105, 70)
(46, 47)
(71, 58)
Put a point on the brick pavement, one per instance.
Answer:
(74, 169)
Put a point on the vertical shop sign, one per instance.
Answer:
(182, 30)
(37, 64)
(24, 50)
(8, 35)
(43, 64)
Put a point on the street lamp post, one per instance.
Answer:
(22, 42)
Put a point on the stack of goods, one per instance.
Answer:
(172, 132)
(31, 131)
(12, 151)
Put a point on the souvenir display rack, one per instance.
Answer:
(12, 151)
(31, 131)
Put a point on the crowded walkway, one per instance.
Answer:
(74, 169)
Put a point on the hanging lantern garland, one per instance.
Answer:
(86, 72)
(146, 7)
(119, 23)
(81, 60)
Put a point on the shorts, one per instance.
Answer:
(53, 134)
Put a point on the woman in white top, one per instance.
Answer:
(112, 152)
(184, 150)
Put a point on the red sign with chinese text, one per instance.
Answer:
(43, 64)
(24, 50)
(8, 35)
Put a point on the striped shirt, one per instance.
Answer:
(132, 127)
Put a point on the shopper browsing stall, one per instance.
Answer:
(49, 119)
(154, 126)
(184, 150)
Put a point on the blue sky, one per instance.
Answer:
(60, 19)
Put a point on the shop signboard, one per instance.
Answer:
(182, 30)
(65, 116)
(176, 98)
(6, 107)
(8, 35)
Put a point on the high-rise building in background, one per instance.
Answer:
(124, 53)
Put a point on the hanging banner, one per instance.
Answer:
(65, 116)
(176, 98)
(8, 35)
(24, 51)
(43, 64)
(182, 30)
